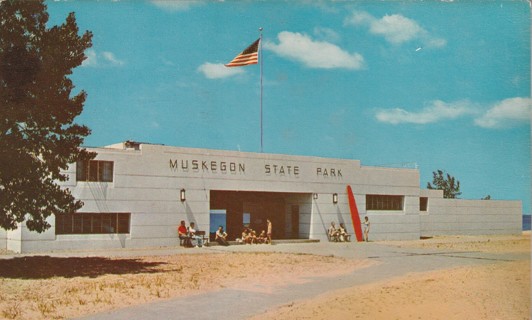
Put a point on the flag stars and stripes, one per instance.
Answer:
(249, 56)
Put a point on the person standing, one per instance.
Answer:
(269, 232)
(366, 228)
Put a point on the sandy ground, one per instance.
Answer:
(43, 287)
(495, 291)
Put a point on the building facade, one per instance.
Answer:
(135, 195)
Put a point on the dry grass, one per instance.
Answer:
(55, 288)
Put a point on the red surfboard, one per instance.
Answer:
(354, 214)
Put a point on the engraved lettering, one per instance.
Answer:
(173, 165)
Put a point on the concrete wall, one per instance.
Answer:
(14, 239)
(3, 239)
(471, 217)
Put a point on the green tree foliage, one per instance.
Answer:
(38, 136)
(444, 181)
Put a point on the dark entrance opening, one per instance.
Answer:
(247, 209)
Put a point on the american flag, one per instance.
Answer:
(248, 56)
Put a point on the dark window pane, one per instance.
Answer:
(106, 223)
(384, 202)
(423, 203)
(93, 171)
(76, 223)
(92, 223)
(97, 223)
(123, 222)
(81, 171)
(87, 223)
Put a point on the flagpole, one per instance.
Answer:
(260, 58)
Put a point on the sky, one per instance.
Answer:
(433, 85)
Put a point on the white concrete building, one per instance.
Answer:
(135, 195)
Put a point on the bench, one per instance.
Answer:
(203, 236)
(184, 240)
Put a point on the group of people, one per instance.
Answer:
(188, 235)
(190, 238)
(249, 236)
(340, 234)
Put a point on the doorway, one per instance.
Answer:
(248, 209)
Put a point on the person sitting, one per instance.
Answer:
(333, 233)
(245, 236)
(253, 236)
(342, 233)
(194, 237)
(262, 237)
(183, 235)
(221, 236)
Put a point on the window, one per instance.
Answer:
(94, 170)
(92, 223)
(423, 203)
(384, 202)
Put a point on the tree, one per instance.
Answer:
(449, 185)
(38, 136)
(488, 197)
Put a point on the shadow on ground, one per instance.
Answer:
(44, 267)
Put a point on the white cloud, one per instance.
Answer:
(395, 28)
(312, 53)
(104, 59)
(435, 111)
(506, 113)
(502, 114)
(110, 57)
(218, 70)
(91, 59)
(175, 5)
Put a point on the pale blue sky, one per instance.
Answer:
(443, 84)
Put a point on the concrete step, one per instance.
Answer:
(280, 241)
